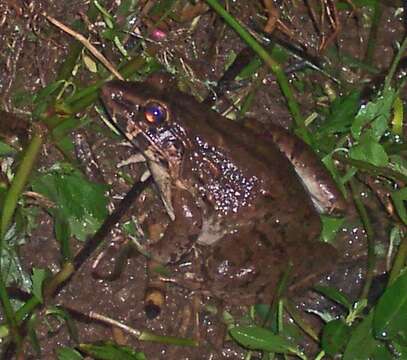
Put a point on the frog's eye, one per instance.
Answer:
(155, 113)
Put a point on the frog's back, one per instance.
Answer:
(250, 166)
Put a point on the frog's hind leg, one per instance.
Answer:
(154, 297)
(159, 276)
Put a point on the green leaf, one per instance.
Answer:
(258, 338)
(108, 19)
(43, 97)
(110, 351)
(89, 63)
(63, 235)
(66, 353)
(335, 295)
(363, 346)
(262, 310)
(399, 197)
(32, 335)
(341, 114)
(369, 150)
(400, 350)
(61, 134)
(37, 278)
(21, 98)
(396, 235)
(330, 226)
(390, 314)
(377, 113)
(397, 121)
(47, 91)
(6, 150)
(250, 69)
(109, 34)
(342, 5)
(79, 203)
(335, 336)
(64, 316)
(398, 163)
(11, 267)
(356, 311)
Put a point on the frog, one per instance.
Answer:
(233, 192)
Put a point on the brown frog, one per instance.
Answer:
(229, 188)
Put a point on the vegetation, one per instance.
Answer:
(358, 134)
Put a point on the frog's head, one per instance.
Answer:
(140, 111)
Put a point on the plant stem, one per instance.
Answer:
(371, 257)
(372, 169)
(9, 313)
(10, 204)
(371, 43)
(87, 96)
(399, 261)
(270, 62)
(395, 63)
(18, 184)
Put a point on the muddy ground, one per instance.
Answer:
(32, 51)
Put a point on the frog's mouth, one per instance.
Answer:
(123, 113)
(126, 113)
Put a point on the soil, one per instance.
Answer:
(32, 52)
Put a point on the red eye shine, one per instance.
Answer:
(155, 113)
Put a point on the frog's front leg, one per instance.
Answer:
(178, 240)
(182, 232)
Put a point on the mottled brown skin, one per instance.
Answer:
(230, 189)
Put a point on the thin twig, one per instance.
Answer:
(143, 335)
(115, 323)
(86, 43)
